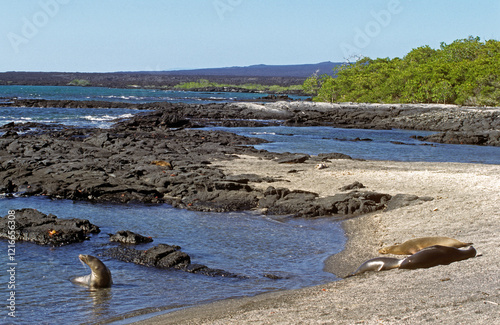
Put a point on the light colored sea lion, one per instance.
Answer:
(436, 255)
(321, 166)
(100, 277)
(162, 163)
(414, 245)
(378, 264)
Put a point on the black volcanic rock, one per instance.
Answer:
(354, 186)
(481, 138)
(129, 237)
(296, 203)
(163, 256)
(35, 226)
(293, 159)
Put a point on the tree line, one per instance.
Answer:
(465, 72)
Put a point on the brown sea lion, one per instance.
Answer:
(100, 277)
(378, 264)
(436, 255)
(414, 245)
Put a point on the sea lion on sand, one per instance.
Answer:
(414, 245)
(100, 276)
(162, 163)
(436, 255)
(378, 264)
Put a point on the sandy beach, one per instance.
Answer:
(465, 206)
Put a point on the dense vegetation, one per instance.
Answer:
(465, 72)
(204, 84)
(80, 82)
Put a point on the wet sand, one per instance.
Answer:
(466, 206)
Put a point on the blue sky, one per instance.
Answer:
(132, 35)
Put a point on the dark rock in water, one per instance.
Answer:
(293, 159)
(354, 186)
(274, 97)
(129, 237)
(402, 143)
(35, 226)
(272, 276)
(333, 155)
(205, 270)
(163, 256)
(484, 138)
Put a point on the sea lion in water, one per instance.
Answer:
(100, 276)
(378, 264)
(436, 255)
(414, 245)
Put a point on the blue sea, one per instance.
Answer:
(128, 95)
(249, 244)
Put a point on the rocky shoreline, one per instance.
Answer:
(161, 156)
(453, 124)
(152, 159)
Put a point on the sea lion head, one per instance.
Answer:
(385, 250)
(100, 276)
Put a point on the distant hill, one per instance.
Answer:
(282, 75)
(260, 70)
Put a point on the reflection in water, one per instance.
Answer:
(100, 299)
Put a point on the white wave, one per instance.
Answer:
(122, 97)
(106, 118)
(96, 118)
(128, 115)
(263, 133)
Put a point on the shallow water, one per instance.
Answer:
(320, 139)
(247, 244)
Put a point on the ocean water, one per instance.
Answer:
(78, 117)
(132, 95)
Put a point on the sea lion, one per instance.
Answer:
(414, 245)
(100, 276)
(378, 264)
(321, 166)
(162, 163)
(436, 255)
